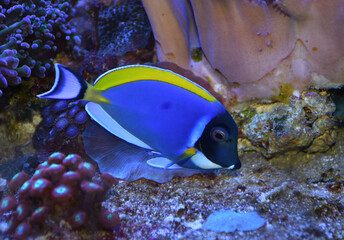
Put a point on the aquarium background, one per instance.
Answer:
(291, 136)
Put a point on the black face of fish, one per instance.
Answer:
(219, 141)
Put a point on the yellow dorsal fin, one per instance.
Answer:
(134, 73)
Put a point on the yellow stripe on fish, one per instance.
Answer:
(129, 74)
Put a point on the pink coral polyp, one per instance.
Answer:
(40, 187)
(7, 204)
(62, 193)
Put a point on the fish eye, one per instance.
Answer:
(219, 134)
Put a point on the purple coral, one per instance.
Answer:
(72, 131)
(39, 214)
(62, 123)
(10, 72)
(61, 181)
(40, 188)
(22, 211)
(32, 33)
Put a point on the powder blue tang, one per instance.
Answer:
(170, 125)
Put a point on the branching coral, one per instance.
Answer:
(32, 34)
(250, 47)
(63, 187)
(10, 73)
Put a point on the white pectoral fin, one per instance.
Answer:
(107, 122)
(164, 163)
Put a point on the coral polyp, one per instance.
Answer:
(22, 231)
(7, 204)
(72, 131)
(63, 122)
(108, 220)
(57, 192)
(62, 193)
(78, 219)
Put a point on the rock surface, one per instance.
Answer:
(300, 196)
(303, 122)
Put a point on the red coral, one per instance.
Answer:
(18, 180)
(108, 220)
(62, 186)
(7, 204)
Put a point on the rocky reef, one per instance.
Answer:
(303, 123)
(63, 188)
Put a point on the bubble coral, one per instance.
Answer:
(249, 48)
(56, 191)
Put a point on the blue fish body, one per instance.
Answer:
(170, 124)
